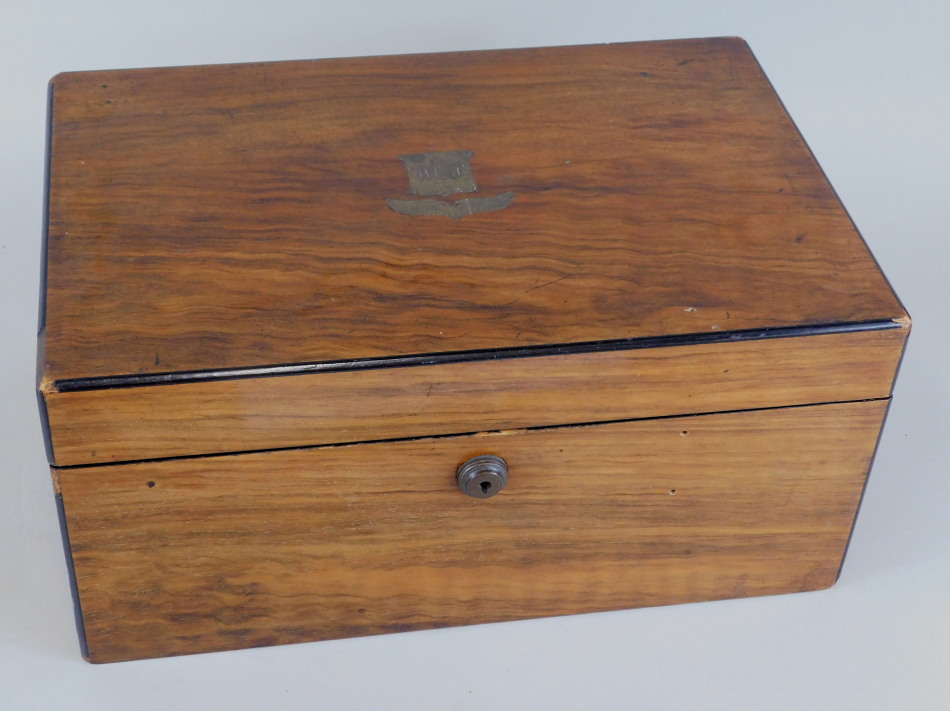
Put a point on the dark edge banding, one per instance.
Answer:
(688, 339)
(864, 488)
(46, 197)
(73, 585)
(41, 318)
(450, 435)
(44, 425)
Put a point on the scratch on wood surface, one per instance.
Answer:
(548, 283)
(791, 183)
(791, 493)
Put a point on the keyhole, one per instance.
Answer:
(482, 476)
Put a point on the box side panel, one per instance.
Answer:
(259, 549)
(126, 424)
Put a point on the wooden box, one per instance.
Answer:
(285, 302)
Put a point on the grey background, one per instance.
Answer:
(869, 86)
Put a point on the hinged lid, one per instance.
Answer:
(293, 214)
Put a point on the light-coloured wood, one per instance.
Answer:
(213, 217)
(227, 552)
(208, 218)
(265, 413)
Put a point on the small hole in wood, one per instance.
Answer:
(672, 492)
(151, 484)
(684, 433)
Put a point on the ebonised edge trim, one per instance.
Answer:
(44, 426)
(44, 258)
(41, 318)
(73, 585)
(688, 339)
(448, 435)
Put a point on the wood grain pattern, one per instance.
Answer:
(227, 552)
(211, 217)
(323, 408)
(208, 218)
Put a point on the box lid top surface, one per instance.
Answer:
(206, 218)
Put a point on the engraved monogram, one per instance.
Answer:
(441, 174)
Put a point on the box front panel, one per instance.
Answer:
(226, 552)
